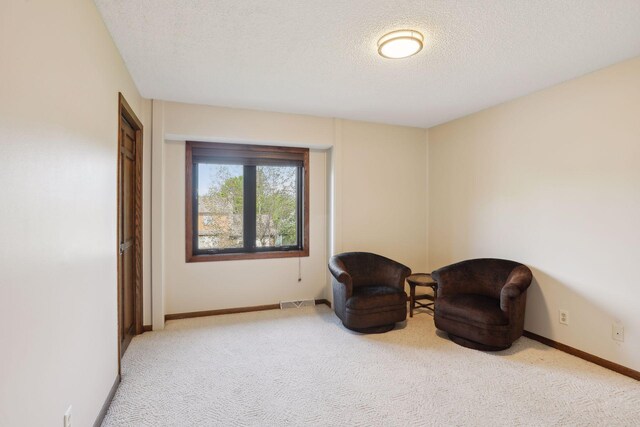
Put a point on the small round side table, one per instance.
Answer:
(425, 280)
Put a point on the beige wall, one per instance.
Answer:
(59, 83)
(551, 180)
(384, 199)
(350, 162)
(224, 284)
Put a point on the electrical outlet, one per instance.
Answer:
(67, 417)
(564, 317)
(617, 332)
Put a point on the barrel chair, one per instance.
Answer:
(481, 302)
(368, 291)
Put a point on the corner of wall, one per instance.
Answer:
(157, 215)
(426, 160)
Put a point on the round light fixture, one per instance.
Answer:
(400, 44)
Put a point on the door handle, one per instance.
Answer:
(123, 247)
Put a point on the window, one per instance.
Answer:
(246, 201)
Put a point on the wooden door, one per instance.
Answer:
(127, 235)
(129, 231)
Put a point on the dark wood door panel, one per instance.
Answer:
(129, 232)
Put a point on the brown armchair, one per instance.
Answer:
(481, 302)
(368, 291)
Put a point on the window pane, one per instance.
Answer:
(220, 206)
(276, 206)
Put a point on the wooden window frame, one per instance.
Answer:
(216, 149)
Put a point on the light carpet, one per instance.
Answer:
(302, 367)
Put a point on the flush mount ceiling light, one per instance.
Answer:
(400, 44)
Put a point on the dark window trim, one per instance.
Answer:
(194, 149)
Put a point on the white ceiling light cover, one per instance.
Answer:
(400, 44)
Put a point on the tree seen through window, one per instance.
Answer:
(221, 206)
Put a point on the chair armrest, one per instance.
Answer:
(337, 269)
(396, 271)
(517, 284)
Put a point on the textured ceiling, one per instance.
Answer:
(320, 58)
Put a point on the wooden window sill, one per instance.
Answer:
(248, 255)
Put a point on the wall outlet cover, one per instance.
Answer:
(67, 417)
(563, 317)
(617, 332)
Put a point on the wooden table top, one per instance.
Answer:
(421, 279)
